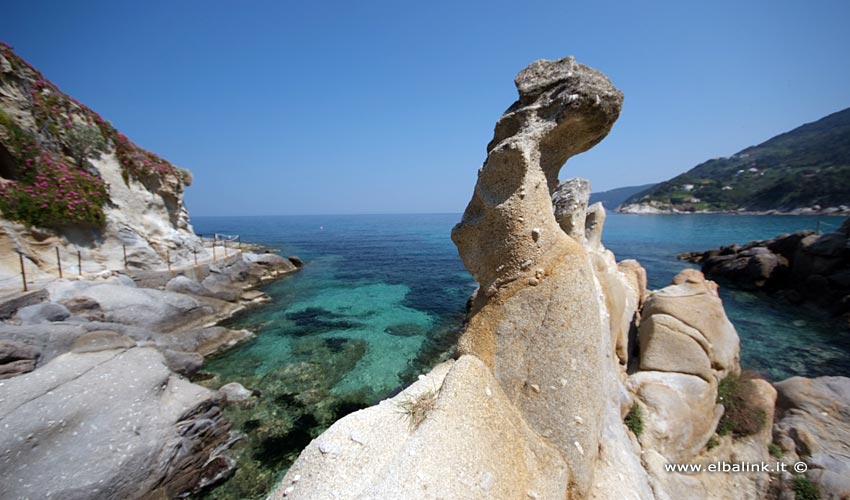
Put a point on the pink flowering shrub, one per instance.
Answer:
(50, 193)
(135, 161)
(53, 112)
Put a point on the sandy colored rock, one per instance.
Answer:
(101, 340)
(680, 412)
(594, 224)
(668, 345)
(694, 301)
(472, 445)
(534, 322)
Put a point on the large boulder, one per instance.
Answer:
(141, 307)
(680, 412)
(669, 345)
(49, 339)
(106, 424)
(467, 443)
(46, 312)
(538, 318)
(694, 302)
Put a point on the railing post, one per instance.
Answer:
(23, 271)
(79, 262)
(59, 263)
(124, 247)
(195, 254)
(168, 259)
(225, 249)
(213, 249)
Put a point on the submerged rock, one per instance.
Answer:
(234, 392)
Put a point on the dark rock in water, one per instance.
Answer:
(296, 404)
(315, 320)
(406, 330)
(336, 344)
(802, 267)
(296, 261)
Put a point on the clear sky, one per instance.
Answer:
(387, 106)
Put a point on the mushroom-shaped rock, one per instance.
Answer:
(538, 318)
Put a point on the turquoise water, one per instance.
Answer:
(382, 299)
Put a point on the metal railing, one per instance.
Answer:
(209, 241)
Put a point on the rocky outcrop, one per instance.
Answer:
(140, 209)
(685, 329)
(531, 317)
(562, 347)
(801, 267)
(813, 426)
(141, 431)
(470, 443)
(104, 356)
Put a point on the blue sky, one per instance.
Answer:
(387, 106)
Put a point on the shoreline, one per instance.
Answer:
(793, 213)
(139, 337)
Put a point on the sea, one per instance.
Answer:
(381, 299)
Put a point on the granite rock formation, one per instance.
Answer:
(148, 433)
(532, 316)
(534, 406)
(813, 426)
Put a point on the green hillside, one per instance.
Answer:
(613, 198)
(806, 167)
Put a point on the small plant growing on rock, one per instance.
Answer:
(805, 489)
(712, 443)
(774, 450)
(417, 408)
(634, 420)
(85, 141)
(741, 417)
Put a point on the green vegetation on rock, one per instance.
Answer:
(740, 417)
(805, 489)
(634, 420)
(47, 139)
(806, 167)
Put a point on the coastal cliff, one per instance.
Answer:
(70, 181)
(96, 400)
